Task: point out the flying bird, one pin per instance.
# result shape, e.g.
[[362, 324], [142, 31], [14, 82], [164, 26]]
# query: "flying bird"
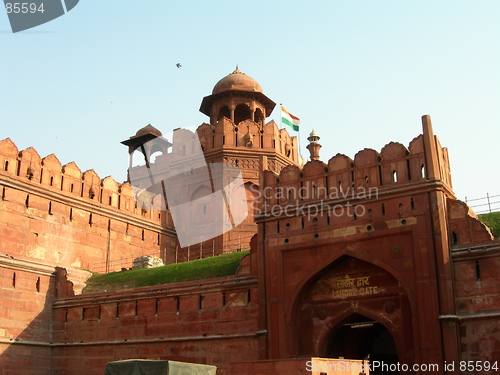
[[178, 65]]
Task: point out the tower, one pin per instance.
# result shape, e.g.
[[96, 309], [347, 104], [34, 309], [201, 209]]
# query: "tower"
[[236, 134], [313, 145]]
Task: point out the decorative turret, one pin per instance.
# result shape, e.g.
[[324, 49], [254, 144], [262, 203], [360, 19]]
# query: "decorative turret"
[[313, 145], [147, 140], [237, 97]]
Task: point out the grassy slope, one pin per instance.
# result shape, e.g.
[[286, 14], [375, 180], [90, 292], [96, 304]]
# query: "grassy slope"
[[218, 266], [493, 221]]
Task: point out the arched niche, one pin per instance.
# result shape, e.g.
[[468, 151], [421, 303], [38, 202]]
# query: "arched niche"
[[259, 116], [242, 112], [224, 112], [252, 194], [203, 207]]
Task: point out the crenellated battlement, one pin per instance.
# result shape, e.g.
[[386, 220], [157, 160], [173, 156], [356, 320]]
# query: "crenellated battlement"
[[248, 135], [48, 172], [394, 166], [350, 257], [65, 217]]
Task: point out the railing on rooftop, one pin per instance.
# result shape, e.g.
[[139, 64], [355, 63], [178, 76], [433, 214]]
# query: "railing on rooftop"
[[202, 250], [484, 205]]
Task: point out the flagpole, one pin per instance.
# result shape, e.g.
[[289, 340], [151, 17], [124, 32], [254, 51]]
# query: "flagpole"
[[298, 143], [281, 122]]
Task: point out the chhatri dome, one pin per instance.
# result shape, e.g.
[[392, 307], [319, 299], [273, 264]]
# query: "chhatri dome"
[[237, 97], [237, 80], [148, 129]]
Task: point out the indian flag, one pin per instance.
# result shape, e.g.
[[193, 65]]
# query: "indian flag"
[[289, 119]]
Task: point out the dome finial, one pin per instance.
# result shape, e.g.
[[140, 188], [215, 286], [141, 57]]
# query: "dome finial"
[[237, 70], [313, 137]]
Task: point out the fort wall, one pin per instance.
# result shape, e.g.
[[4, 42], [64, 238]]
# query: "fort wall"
[[53, 215], [208, 321], [478, 302], [58, 215], [392, 210], [25, 315], [476, 260], [28, 289], [389, 217]]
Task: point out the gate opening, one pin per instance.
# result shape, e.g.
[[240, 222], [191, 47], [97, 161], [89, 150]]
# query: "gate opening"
[[359, 337]]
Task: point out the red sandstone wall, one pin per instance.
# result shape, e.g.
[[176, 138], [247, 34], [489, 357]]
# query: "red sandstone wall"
[[225, 134], [58, 215], [400, 227], [210, 321], [478, 304], [27, 291], [45, 214], [465, 227], [476, 261]]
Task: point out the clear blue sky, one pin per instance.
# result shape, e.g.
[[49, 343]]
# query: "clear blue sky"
[[361, 73]]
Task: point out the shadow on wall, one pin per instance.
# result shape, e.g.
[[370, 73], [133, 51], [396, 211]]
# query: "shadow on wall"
[[26, 317]]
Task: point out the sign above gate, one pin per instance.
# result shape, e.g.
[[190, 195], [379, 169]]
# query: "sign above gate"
[[353, 286], [353, 278]]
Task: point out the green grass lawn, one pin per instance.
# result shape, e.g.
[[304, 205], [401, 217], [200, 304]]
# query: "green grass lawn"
[[493, 221], [200, 269]]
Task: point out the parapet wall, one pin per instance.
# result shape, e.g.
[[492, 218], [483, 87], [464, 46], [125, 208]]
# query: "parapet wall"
[[476, 260], [27, 290], [207, 321], [465, 227], [250, 136], [58, 215], [342, 176], [477, 301]]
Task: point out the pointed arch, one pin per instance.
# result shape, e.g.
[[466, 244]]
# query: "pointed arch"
[[201, 191], [252, 195], [242, 112], [224, 112], [259, 116], [319, 304]]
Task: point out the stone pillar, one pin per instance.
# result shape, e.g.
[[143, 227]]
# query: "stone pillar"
[[431, 154]]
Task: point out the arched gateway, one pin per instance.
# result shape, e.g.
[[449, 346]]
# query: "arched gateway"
[[360, 337], [356, 310]]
